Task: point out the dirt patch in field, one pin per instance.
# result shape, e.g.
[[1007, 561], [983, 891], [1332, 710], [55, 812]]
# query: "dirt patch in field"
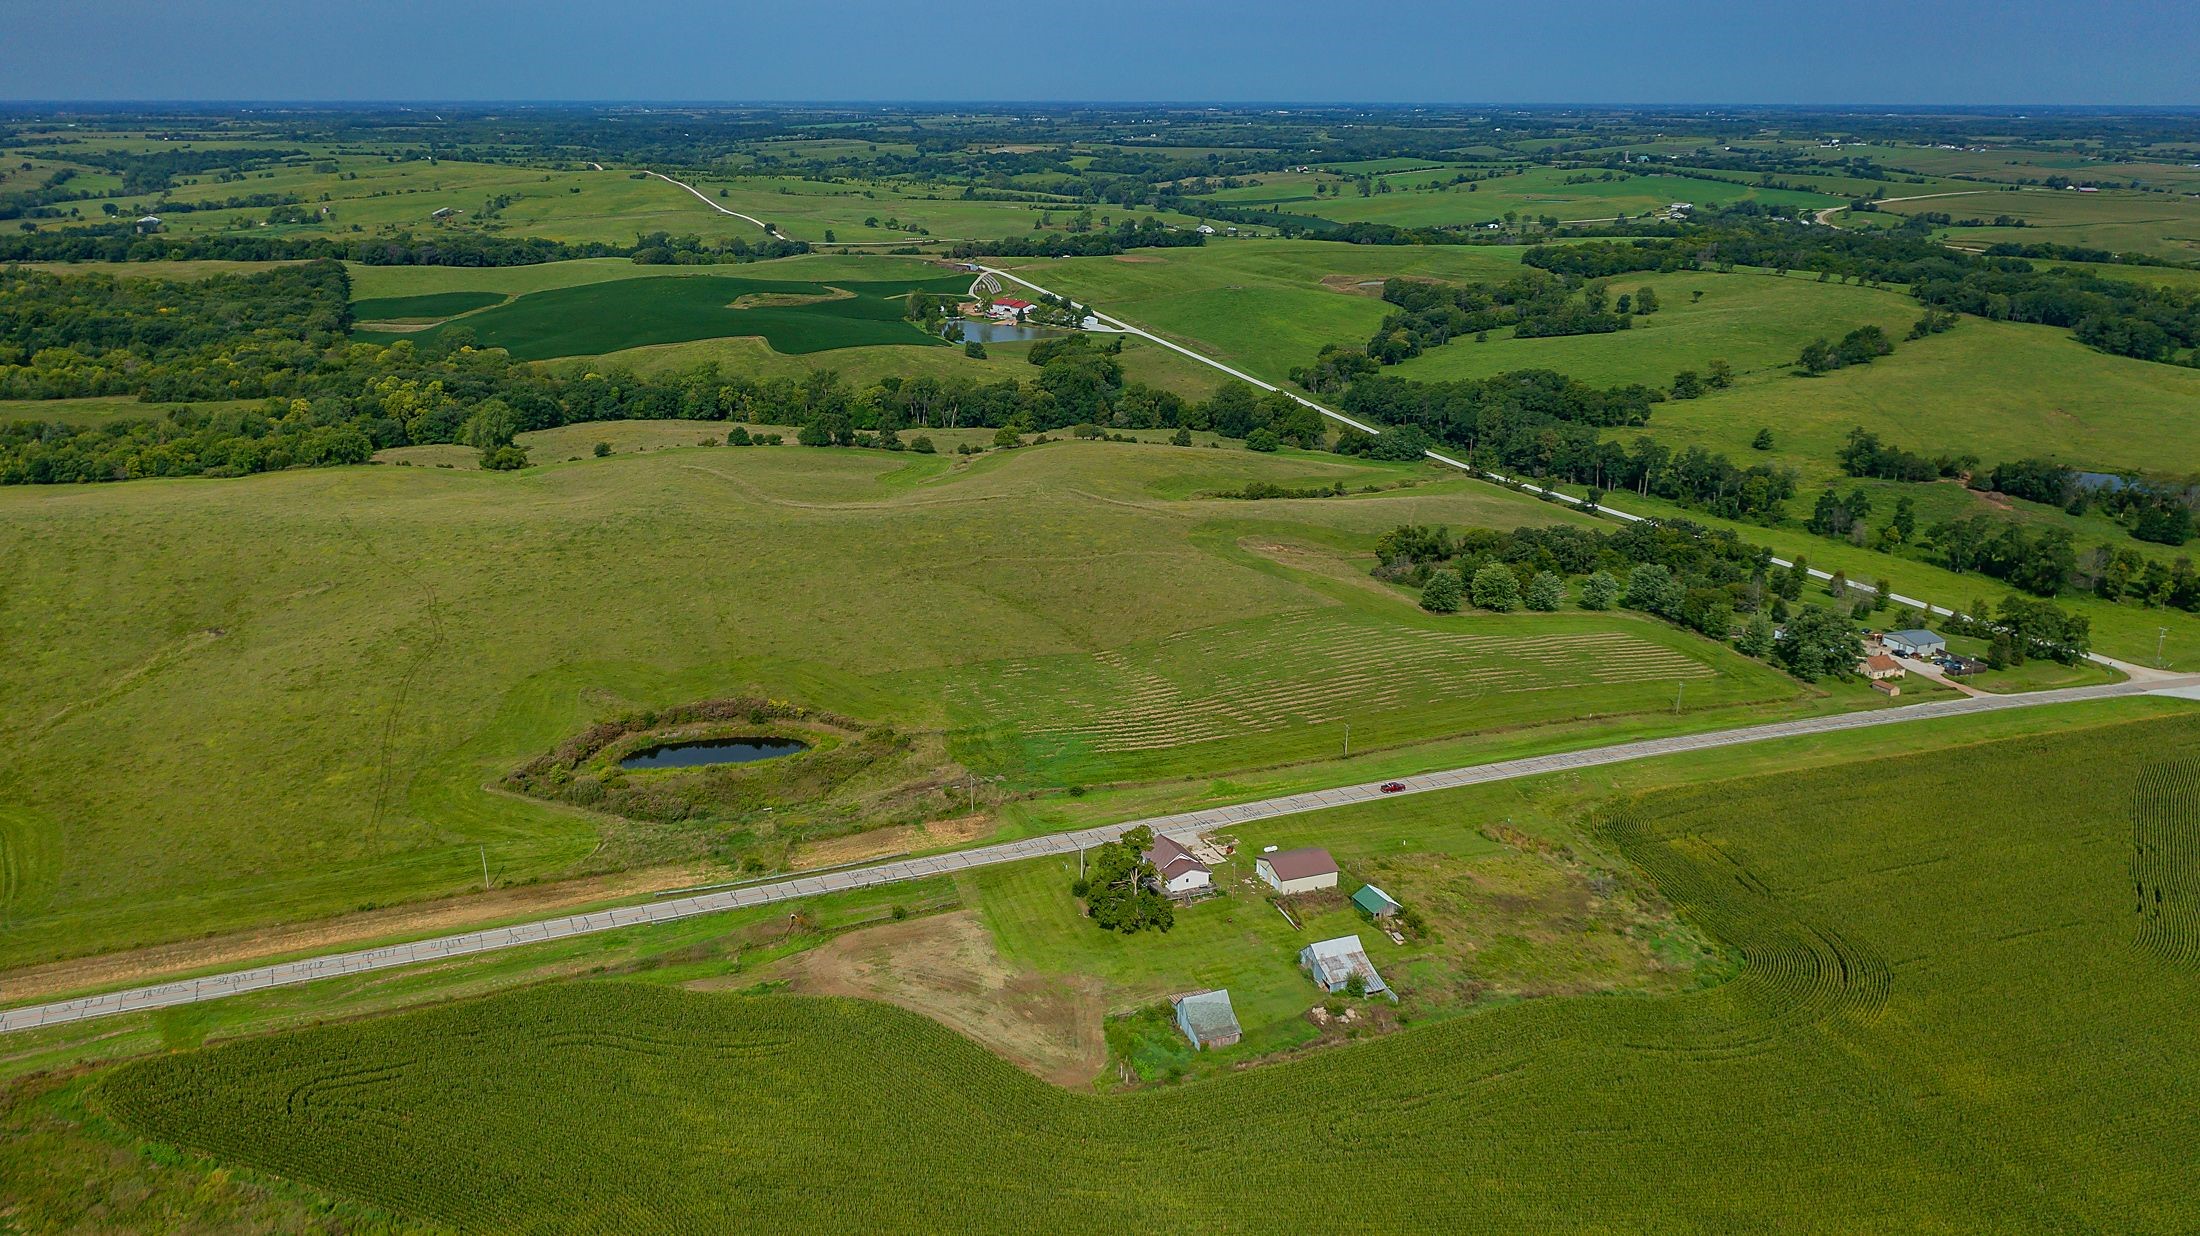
[[788, 300], [945, 967], [148, 965], [1361, 285], [1320, 562], [1136, 258], [880, 842]]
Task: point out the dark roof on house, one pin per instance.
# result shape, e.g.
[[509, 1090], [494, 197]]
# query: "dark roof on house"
[[1170, 858], [1299, 864]]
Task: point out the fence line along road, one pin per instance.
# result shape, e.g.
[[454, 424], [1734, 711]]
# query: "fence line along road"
[[283, 974]]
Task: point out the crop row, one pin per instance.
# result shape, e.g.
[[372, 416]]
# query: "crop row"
[[2165, 861]]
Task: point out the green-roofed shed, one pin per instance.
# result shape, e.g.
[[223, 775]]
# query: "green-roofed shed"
[[1375, 901]]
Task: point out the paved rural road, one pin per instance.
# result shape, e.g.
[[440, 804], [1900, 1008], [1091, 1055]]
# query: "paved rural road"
[[2140, 672], [1826, 216], [189, 991], [769, 230]]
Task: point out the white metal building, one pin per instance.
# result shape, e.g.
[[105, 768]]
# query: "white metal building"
[[1298, 871]]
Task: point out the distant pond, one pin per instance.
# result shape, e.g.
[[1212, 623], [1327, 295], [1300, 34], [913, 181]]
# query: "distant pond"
[[713, 751], [999, 332]]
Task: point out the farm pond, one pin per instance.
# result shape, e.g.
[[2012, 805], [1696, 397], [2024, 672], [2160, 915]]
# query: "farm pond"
[[999, 332], [712, 751]]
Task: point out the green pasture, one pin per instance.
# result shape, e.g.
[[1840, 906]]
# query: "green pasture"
[[807, 209], [1261, 305], [1422, 195], [368, 195], [1998, 390], [206, 739], [431, 307], [1142, 361], [1917, 933], [626, 313], [1211, 698], [2159, 224], [2183, 279], [1753, 320], [2008, 164]]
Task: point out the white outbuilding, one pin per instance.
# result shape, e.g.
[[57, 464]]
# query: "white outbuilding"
[[1332, 963], [1298, 871]]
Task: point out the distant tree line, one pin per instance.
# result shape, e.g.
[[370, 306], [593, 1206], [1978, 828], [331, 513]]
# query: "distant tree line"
[[1545, 425], [1707, 581], [2119, 316], [229, 336], [277, 336], [2156, 512], [1431, 314], [122, 243], [1148, 233]]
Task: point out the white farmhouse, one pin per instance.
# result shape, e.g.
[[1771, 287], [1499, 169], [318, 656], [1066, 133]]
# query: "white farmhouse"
[[1180, 874]]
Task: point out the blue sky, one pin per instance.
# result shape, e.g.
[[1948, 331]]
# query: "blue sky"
[[2111, 52]]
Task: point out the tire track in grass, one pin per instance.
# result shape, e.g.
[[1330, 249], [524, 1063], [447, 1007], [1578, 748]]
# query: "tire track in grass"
[[386, 772], [1795, 972]]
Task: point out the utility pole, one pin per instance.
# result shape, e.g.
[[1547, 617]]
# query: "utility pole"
[[1348, 739], [484, 868], [2160, 634], [1679, 689]]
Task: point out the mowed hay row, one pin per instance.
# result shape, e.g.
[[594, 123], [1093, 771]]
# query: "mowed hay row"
[[1307, 668], [2165, 861]]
